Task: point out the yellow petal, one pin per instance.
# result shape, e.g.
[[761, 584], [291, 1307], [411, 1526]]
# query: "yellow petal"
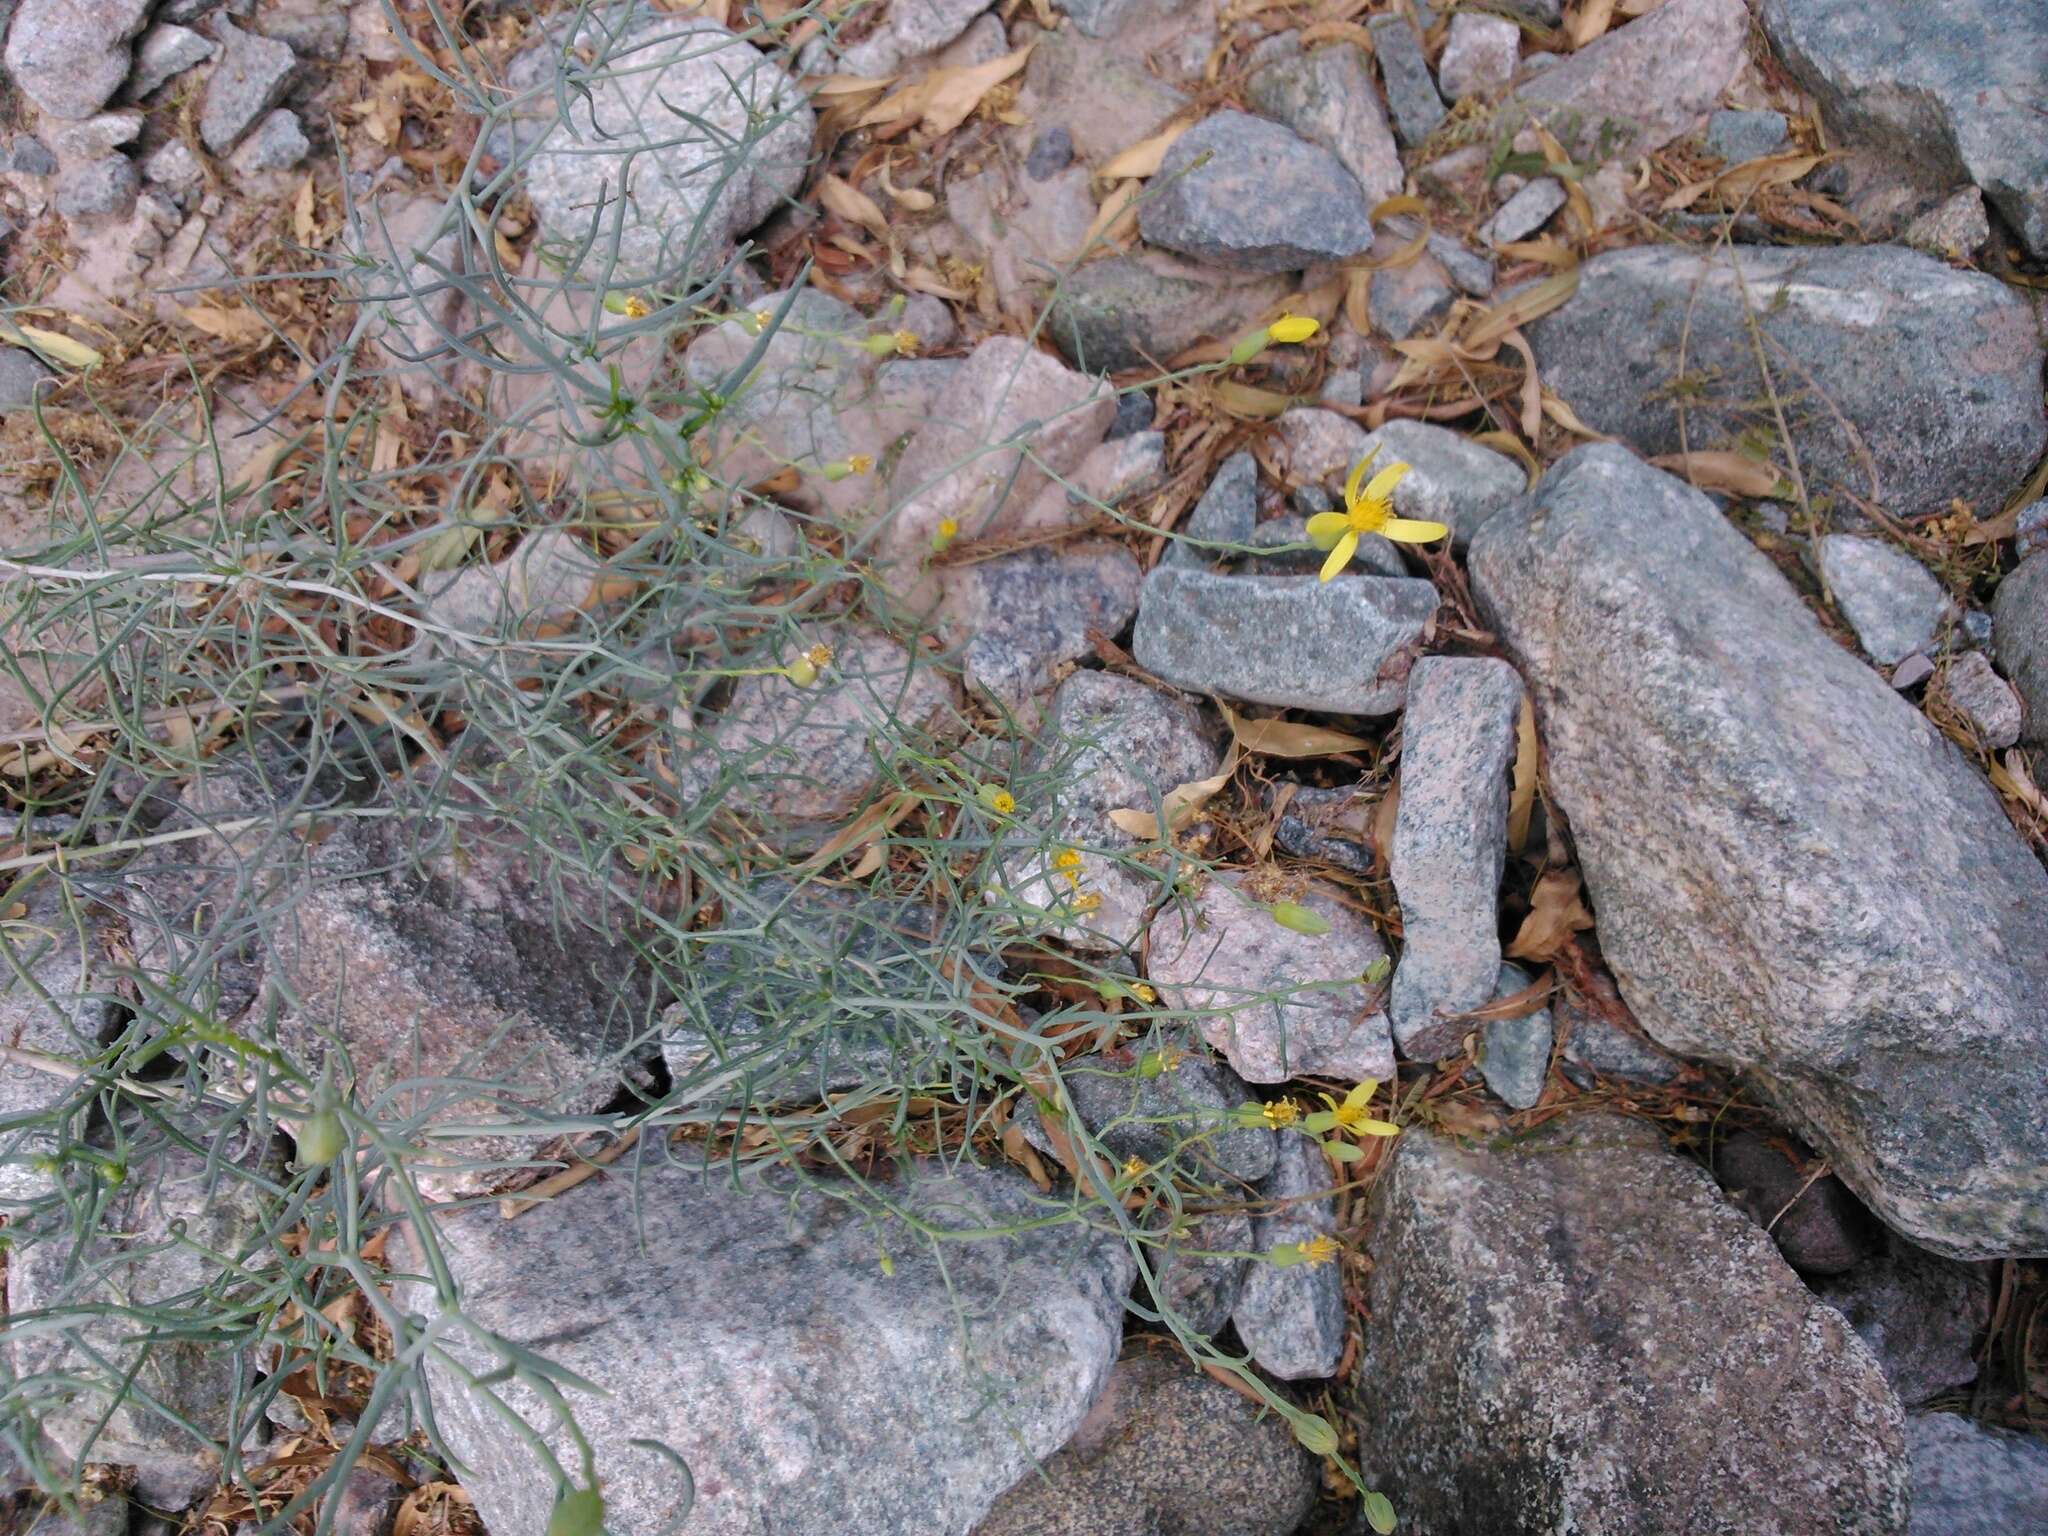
[[1357, 474], [1289, 329], [1406, 530], [1326, 528], [1340, 556], [1383, 483], [1360, 1096], [1377, 1128]]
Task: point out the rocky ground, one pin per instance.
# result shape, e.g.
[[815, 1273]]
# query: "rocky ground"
[[695, 810]]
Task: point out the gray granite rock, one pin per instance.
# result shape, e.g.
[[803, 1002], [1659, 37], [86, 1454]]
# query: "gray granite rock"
[[1412, 98], [1051, 152], [1817, 1224], [1950, 86], [1526, 212], [1515, 1053], [1177, 1121], [1018, 618], [1450, 844], [1638, 87], [277, 143], [95, 136], [56, 999], [1971, 1480], [173, 165], [871, 1387], [166, 51], [1134, 414], [1597, 1048], [1250, 194], [547, 581], [1573, 1331], [1450, 479], [27, 155], [70, 56], [1292, 1319], [1196, 1277], [1480, 55], [1286, 640], [1954, 229], [178, 1222], [22, 377], [1105, 100], [1935, 370], [1143, 307], [1919, 1314], [1889, 598], [758, 1017], [1119, 745], [1226, 515], [1405, 300], [1165, 1448], [1471, 272], [1327, 96], [2030, 531], [1984, 698], [100, 189], [1739, 136], [1278, 1003], [2019, 640], [909, 30], [1744, 794], [252, 76], [802, 760], [641, 151]]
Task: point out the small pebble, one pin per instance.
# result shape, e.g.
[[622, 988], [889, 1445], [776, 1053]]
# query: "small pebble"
[[1051, 152], [1984, 698], [105, 188]]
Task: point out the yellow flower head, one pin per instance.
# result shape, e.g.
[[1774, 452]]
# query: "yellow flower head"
[[1319, 1249], [819, 655], [861, 463], [1143, 992], [762, 319], [1158, 1063], [1088, 901], [1281, 1112], [1135, 1168], [944, 535], [1367, 510], [1354, 1116], [853, 464], [1292, 329], [1068, 863], [997, 799], [631, 305], [906, 343]]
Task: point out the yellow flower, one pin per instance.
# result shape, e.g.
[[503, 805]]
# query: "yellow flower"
[[631, 305], [1158, 1063], [1135, 1168], [1354, 1117], [1068, 863], [997, 799], [1370, 510], [1292, 329], [906, 343], [1088, 901], [1318, 1249], [1279, 1113], [805, 669], [944, 535], [762, 319], [853, 464], [1143, 992]]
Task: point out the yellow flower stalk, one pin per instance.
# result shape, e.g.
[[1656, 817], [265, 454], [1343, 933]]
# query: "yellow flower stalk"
[[1367, 510], [846, 468]]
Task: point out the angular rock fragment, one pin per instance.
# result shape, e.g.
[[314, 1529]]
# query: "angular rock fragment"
[[1291, 1317], [1888, 597], [70, 56], [1750, 806], [2019, 640], [1244, 192], [1450, 846], [1412, 98], [1638, 87], [252, 76], [1326, 95], [1019, 617], [1919, 1314]]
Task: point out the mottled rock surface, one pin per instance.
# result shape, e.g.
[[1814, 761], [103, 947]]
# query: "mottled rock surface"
[[1950, 86], [1263, 198], [1480, 54], [1288, 640], [1164, 1449], [1450, 844], [1135, 744], [1412, 98], [1277, 1002], [641, 151], [1919, 1314], [1575, 1332], [1889, 598], [1145, 306], [1638, 87], [2019, 639], [1450, 479], [70, 56], [1739, 136], [1327, 96], [1227, 515], [1937, 371], [839, 1398], [1816, 1223], [1515, 1053], [1969, 1480], [1292, 1318], [1985, 699], [1018, 617], [1748, 802], [252, 76]]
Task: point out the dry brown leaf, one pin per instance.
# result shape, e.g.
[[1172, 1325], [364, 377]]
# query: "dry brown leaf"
[[955, 93], [240, 327], [847, 85], [1532, 302], [1180, 803], [1766, 171], [925, 280], [1249, 401], [1116, 221], [1384, 816], [303, 228], [1558, 411], [1289, 738], [1516, 1005], [1142, 158], [876, 821], [916, 199], [1511, 445], [1522, 799], [54, 346], [1720, 470], [853, 205], [1025, 1156], [1555, 913], [1592, 19]]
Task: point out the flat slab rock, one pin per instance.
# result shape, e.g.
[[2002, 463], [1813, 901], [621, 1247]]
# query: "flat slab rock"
[[839, 1397], [1969, 1480], [1937, 370], [1640, 86], [1573, 1331], [1750, 805], [1243, 192], [1294, 641], [641, 147], [1952, 85], [1278, 1003]]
